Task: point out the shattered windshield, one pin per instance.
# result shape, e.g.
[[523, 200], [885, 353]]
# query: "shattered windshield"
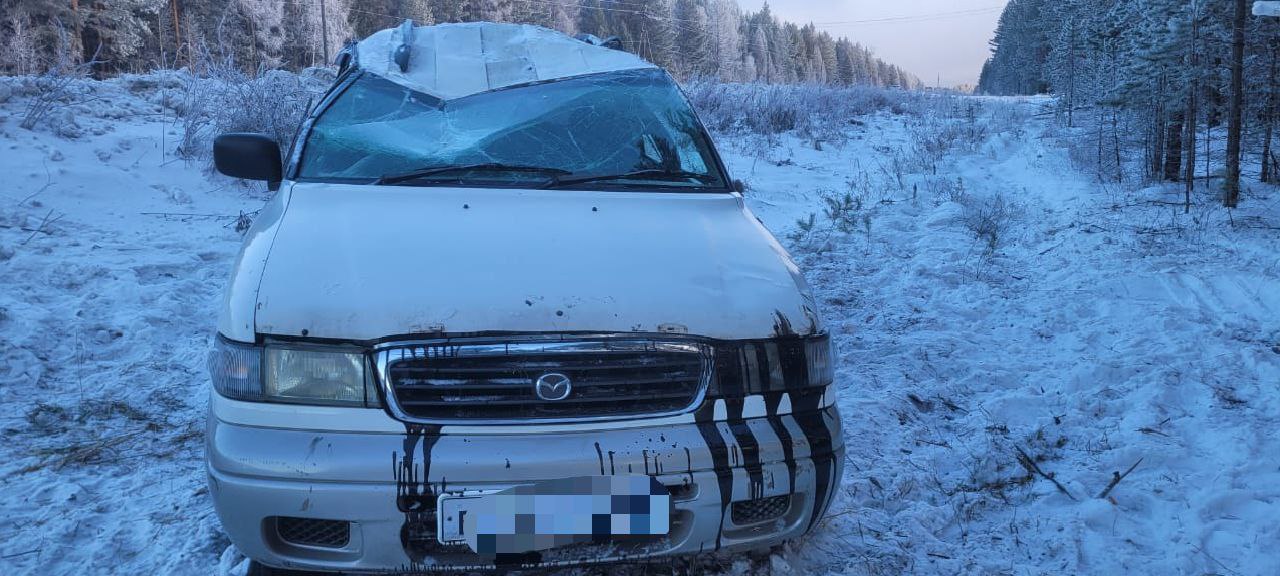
[[628, 129]]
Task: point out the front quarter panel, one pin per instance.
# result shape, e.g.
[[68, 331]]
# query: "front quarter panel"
[[236, 319]]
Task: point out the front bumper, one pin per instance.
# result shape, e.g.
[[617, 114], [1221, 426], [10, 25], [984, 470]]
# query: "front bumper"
[[258, 474]]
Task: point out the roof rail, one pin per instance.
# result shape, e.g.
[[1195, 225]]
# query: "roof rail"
[[401, 54]]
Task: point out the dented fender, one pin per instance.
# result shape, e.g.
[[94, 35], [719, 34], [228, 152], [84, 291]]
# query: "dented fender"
[[240, 298]]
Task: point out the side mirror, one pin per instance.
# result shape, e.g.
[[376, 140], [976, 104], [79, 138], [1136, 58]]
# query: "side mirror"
[[740, 187], [248, 156]]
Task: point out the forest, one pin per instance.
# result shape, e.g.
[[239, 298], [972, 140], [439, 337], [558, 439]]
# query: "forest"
[[706, 39], [1169, 90]]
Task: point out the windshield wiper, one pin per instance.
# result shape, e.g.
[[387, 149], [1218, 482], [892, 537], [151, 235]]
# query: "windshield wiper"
[[489, 167], [659, 175]]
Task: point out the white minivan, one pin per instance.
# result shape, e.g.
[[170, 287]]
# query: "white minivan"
[[508, 309]]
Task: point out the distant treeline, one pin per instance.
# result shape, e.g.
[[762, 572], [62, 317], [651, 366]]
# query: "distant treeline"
[[1175, 69], [710, 39]]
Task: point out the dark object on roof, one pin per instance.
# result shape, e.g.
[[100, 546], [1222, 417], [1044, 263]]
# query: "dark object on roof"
[[346, 57], [401, 56], [612, 42]]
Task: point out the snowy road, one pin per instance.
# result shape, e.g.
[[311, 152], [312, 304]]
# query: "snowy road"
[[1089, 339]]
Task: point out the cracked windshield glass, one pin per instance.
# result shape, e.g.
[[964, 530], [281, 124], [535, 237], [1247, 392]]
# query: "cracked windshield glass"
[[635, 125]]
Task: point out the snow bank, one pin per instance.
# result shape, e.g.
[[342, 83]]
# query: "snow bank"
[[113, 253]]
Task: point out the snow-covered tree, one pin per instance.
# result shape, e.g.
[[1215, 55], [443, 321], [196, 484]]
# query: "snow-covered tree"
[[489, 10], [1152, 77], [692, 38], [724, 19]]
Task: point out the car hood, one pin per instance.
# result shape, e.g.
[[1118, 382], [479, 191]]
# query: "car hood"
[[354, 262]]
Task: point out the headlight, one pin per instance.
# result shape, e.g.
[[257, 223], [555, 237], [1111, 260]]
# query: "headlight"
[[289, 374], [313, 377]]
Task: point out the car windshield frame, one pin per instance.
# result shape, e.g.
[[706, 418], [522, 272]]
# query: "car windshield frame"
[[714, 164]]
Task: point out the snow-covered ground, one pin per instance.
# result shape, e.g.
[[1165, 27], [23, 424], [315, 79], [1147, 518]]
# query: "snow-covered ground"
[[988, 303]]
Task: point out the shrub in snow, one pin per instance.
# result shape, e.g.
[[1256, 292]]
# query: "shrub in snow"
[[271, 102], [843, 211], [989, 219], [945, 188], [61, 86], [816, 112], [841, 214], [949, 124], [54, 90]]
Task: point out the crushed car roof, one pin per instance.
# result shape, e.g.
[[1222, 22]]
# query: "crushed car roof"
[[456, 60]]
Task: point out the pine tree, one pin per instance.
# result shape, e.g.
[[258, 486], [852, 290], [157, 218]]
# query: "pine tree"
[[653, 31], [449, 10], [417, 10], [553, 14], [761, 55], [369, 16], [694, 46], [592, 19], [489, 10]]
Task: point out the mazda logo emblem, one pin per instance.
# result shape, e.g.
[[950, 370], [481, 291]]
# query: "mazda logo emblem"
[[553, 387]]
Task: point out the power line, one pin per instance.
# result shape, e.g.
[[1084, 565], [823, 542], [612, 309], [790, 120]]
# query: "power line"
[[917, 17]]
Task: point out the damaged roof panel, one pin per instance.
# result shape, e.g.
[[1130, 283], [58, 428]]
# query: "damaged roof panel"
[[451, 61]]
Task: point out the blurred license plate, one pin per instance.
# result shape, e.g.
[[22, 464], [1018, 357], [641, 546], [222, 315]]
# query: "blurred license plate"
[[555, 513]]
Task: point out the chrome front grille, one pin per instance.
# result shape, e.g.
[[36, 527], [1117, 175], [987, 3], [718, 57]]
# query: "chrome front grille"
[[607, 378]]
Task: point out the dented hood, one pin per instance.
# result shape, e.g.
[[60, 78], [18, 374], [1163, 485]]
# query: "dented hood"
[[365, 263]]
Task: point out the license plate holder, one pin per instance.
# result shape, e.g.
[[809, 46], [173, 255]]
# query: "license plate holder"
[[554, 513]]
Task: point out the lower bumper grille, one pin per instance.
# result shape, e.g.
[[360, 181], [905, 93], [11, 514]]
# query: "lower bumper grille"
[[544, 379], [312, 532], [760, 510]]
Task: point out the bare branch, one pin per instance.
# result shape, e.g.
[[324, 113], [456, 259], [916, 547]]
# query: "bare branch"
[[1117, 477], [1033, 468]]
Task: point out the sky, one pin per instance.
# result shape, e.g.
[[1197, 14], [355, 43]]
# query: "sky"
[[928, 38]]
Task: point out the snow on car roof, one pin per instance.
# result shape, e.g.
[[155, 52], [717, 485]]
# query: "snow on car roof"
[[456, 60]]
